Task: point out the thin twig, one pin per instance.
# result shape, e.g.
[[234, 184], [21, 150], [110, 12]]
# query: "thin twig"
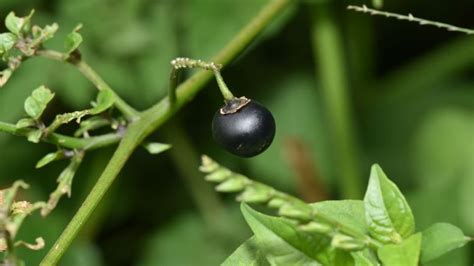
[[410, 17]]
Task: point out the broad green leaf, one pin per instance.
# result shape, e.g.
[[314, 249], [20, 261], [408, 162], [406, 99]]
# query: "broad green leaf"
[[247, 254], [25, 122], [406, 253], [365, 258], [7, 41], [348, 212], [282, 244], [105, 100], [37, 102], [388, 215], [72, 42], [34, 135], [17, 25], [439, 239], [50, 157], [156, 148]]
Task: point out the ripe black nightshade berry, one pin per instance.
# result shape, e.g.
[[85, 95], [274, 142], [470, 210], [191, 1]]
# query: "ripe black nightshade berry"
[[243, 127]]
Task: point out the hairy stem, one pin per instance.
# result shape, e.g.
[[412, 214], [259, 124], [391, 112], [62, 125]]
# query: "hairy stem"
[[93, 77], [330, 60], [150, 120], [68, 142]]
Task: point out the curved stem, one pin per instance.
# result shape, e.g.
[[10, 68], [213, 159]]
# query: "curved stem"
[[226, 93], [68, 142], [150, 120], [93, 77]]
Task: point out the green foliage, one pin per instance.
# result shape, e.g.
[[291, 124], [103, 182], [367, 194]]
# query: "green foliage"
[[18, 25], [388, 215], [156, 148], [405, 253], [37, 102], [73, 40], [380, 228], [439, 239]]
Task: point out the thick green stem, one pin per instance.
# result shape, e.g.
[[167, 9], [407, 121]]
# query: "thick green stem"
[[93, 77], [150, 120], [328, 50], [68, 142]]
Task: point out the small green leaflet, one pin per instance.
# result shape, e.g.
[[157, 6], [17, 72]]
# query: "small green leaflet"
[[73, 40], [7, 41], [156, 148], [37, 102], [50, 157], [17, 25], [105, 100]]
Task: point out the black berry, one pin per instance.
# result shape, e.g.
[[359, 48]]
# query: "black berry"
[[243, 127]]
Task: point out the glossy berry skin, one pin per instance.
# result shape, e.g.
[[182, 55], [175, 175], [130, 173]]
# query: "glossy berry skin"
[[247, 132]]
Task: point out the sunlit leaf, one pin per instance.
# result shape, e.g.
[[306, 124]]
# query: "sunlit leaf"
[[25, 122]]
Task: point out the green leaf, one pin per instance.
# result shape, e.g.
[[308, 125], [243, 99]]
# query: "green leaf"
[[25, 122], [72, 42], [18, 25], [247, 254], [50, 157], [365, 258], [282, 244], [34, 135], [439, 239], [389, 217], [7, 42], [407, 253], [156, 148], [37, 102], [348, 212], [105, 100]]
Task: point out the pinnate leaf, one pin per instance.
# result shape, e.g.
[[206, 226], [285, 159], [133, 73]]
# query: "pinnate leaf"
[[388, 215]]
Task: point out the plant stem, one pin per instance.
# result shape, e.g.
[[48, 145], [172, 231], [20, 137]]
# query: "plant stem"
[[68, 142], [150, 120], [226, 93], [93, 77], [327, 46], [186, 160]]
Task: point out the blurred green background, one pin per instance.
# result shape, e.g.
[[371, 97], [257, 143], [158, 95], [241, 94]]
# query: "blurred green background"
[[410, 109]]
